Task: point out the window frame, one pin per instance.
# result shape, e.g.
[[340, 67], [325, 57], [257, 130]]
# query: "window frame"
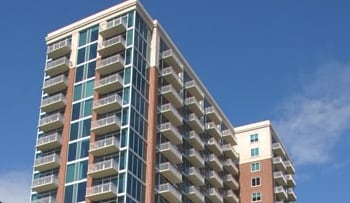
[[256, 179], [254, 138], [256, 170], [254, 152], [256, 195]]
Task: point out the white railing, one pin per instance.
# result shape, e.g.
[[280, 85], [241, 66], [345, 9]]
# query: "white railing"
[[44, 180], [193, 100], [105, 121], [170, 107], [103, 165], [55, 80], [168, 187], [110, 141], [47, 159], [53, 137], [112, 41], [110, 60], [170, 88], [51, 118], [59, 61], [49, 199], [193, 84], [53, 99], [113, 23], [102, 188], [58, 45], [108, 80], [108, 100]]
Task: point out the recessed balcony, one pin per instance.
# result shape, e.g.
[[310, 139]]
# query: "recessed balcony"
[[281, 193], [230, 166], [108, 104], [172, 77], [231, 182], [59, 49], [51, 122], [195, 123], [168, 192], [194, 194], [108, 84], [171, 114], [172, 95], [195, 158], [195, 141], [229, 151], [231, 197], [279, 163], [171, 133], [171, 59], [56, 84], [195, 107], [214, 179], [101, 192], [277, 148], [53, 103], [213, 115], [213, 130], [291, 194], [278, 176], [214, 196], [111, 46], [103, 169], [170, 152], [57, 66], [45, 183], [49, 141], [112, 28], [195, 176], [194, 89], [214, 146], [229, 137], [110, 64], [169, 171], [105, 125], [290, 180], [105, 146], [47, 162], [49, 199], [214, 162], [289, 167]]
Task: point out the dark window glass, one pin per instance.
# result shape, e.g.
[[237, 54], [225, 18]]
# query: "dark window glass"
[[94, 34], [74, 131], [84, 149], [76, 111], [83, 169], [88, 107], [93, 51], [81, 55], [86, 127], [91, 69], [72, 151], [77, 92], [81, 191], [68, 194], [79, 73]]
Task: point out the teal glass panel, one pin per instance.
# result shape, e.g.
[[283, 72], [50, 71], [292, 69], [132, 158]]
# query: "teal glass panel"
[[84, 152], [125, 116], [131, 18], [82, 38], [72, 150], [129, 37], [86, 127], [91, 69], [82, 170], [70, 173], [122, 160], [121, 185], [88, 107], [127, 75], [89, 88], [94, 34], [93, 51], [68, 194], [76, 111], [128, 56], [77, 92], [126, 95]]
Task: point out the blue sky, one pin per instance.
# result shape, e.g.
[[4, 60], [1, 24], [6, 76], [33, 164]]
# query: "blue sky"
[[287, 61]]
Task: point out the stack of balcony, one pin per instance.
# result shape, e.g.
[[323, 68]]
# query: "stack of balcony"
[[171, 172], [51, 122], [169, 57], [107, 104], [53, 103], [214, 195], [279, 163], [195, 140], [56, 84], [229, 137], [112, 28], [110, 64], [57, 66], [49, 141], [109, 84], [195, 158], [194, 89], [47, 162], [231, 182], [229, 151], [195, 123], [103, 168], [214, 146], [49, 199], [59, 49], [230, 166], [193, 104], [105, 146], [289, 167], [277, 148], [112, 46], [291, 194], [45, 183], [172, 77], [281, 193], [279, 178], [214, 179], [171, 95], [101, 192], [231, 197], [170, 151], [290, 180], [213, 130], [195, 176], [168, 192], [194, 194], [214, 162], [171, 133], [105, 125], [213, 115], [171, 113]]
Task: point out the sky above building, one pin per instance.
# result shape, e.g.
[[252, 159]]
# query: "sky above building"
[[287, 61]]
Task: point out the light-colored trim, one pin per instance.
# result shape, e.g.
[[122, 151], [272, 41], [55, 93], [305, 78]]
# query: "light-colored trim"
[[251, 196], [250, 166]]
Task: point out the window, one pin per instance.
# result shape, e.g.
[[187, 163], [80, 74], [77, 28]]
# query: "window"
[[255, 167], [256, 196], [254, 138], [254, 152], [256, 181]]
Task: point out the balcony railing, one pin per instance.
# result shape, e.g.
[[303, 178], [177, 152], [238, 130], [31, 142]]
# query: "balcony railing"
[[194, 89], [278, 149], [194, 194], [215, 179], [171, 95], [195, 158], [214, 162], [101, 192], [56, 84], [108, 104], [57, 66], [214, 195], [171, 133], [214, 146], [290, 180], [47, 162], [105, 146], [171, 114], [279, 163], [110, 64], [279, 178], [289, 167], [291, 194], [112, 46], [51, 122], [171, 172], [49, 141], [59, 49], [171, 59], [195, 176], [231, 197], [105, 125], [53, 103], [281, 193], [172, 77], [194, 105], [112, 28], [230, 166], [195, 123], [103, 169], [195, 140], [231, 182], [229, 151], [108, 84], [49, 199], [170, 152], [213, 130], [45, 183], [169, 193], [213, 114], [229, 137]]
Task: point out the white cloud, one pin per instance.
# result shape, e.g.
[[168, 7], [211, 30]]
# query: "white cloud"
[[15, 186], [313, 120]]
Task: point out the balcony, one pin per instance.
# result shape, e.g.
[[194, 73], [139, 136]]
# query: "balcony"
[[57, 66], [213, 130], [215, 179], [172, 77], [45, 183], [195, 158], [214, 196], [291, 194], [231, 182], [105, 125], [112, 28], [195, 176], [195, 141], [230, 166], [231, 197], [171, 95], [193, 88], [171, 114], [56, 84], [229, 137], [108, 104], [171, 133], [214, 146], [112, 46], [47, 162], [278, 176], [279, 163], [101, 192], [59, 49], [195, 123], [103, 169], [170, 152], [105, 146], [214, 162], [110, 64], [168, 192], [49, 141], [171, 59], [195, 107], [51, 122], [213, 115], [53, 103], [171, 172], [280, 193], [290, 180], [194, 194], [289, 167], [229, 151], [108, 84], [49, 199], [278, 149]]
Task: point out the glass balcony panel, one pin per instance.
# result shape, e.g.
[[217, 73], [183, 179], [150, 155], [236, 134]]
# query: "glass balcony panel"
[[49, 199]]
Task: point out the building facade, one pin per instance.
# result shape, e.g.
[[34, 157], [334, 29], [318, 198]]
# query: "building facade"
[[125, 119]]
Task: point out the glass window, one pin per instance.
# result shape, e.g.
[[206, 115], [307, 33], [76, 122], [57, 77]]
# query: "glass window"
[[76, 111], [81, 55], [84, 148], [129, 37], [70, 173], [86, 127], [128, 56], [126, 95], [77, 92], [72, 151], [256, 181], [81, 191], [121, 185], [94, 34], [79, 73], [254, 152], [92, 51], [91, 69], [68, 194], [255, 167], [127, 74], [82, 38], [82, 169], [256, 196], [88, 107], [254, 138], [74, 131], [131, 19], [89, 88]]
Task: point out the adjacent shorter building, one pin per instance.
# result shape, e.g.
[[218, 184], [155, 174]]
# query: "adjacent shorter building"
[[266, 171]]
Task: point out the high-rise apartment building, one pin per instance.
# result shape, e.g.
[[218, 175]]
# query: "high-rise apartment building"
[[124, 118]]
